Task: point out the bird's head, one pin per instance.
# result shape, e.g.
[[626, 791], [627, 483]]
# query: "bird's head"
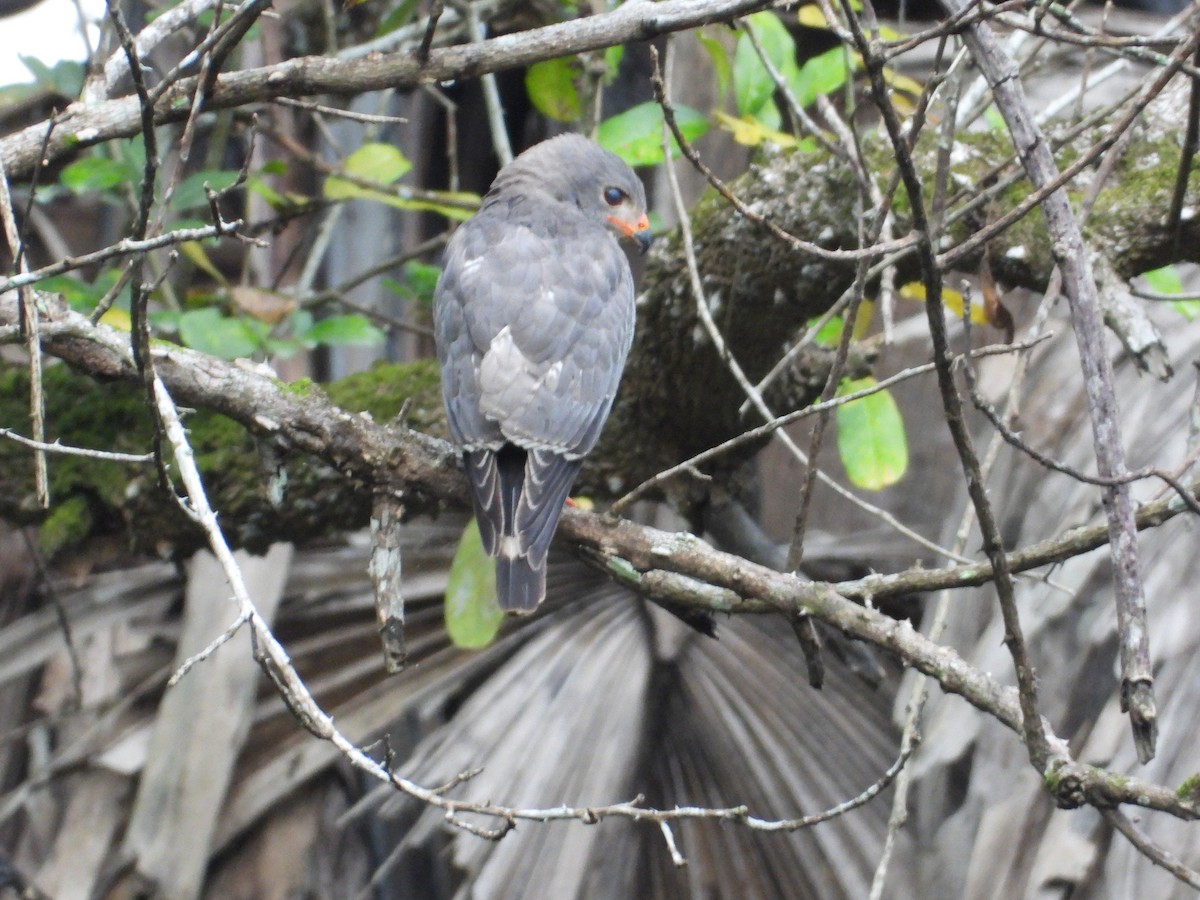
[[577, 171], [627, 216]]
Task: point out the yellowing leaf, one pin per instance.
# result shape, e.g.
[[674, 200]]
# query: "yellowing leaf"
[[117, 318], [902, 82], [862, 321], [811, 16], [870, 438], [951, 299], [750, 132], [472, 614], [195, 254]]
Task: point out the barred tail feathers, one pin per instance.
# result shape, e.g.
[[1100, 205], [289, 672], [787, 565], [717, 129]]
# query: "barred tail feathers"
[[518, 497]]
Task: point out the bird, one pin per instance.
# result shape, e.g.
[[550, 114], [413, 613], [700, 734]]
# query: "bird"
[[533, 320]]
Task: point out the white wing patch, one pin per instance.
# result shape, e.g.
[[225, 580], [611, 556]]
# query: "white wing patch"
[[507, 381]]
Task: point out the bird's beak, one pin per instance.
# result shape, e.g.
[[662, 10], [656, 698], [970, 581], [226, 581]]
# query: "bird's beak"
[[639, 232]]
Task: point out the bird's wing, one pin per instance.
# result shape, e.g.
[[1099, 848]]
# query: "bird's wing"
[[552, 360]]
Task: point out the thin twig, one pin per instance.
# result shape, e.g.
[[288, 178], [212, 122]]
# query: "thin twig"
[[1070, 252], [29, 326], [223, 638], [56, 447], [1032, 728], [1144, 845], [491, 93], [338, 113], [123, 247], [739, 375], [761, 431]]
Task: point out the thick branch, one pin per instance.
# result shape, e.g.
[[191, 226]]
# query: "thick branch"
[[81, 126], [392, 458]]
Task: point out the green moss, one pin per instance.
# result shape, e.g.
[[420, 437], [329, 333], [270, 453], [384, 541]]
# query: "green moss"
[[382, 391], [1190, 789], [301, 387], [262, 494], [67, 524]]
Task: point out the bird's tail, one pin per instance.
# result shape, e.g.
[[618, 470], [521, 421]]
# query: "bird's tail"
[[520, 574], [520, 582], [518, 497]]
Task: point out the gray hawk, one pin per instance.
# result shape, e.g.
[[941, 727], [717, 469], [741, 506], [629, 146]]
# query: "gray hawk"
[[533, 318]]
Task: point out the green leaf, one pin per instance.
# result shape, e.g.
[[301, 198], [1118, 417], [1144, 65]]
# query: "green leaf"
[[383, 163], [551, 88], [612, 62], [64, 78], [1167, 281], [871, 440], [636, 134], [753, 86], [189, 193], [211, 332], [83, 296], [720, 61], [830, 334], [93, 173], [822, 74], [421, 278], [472, 614], [344, 329], [398, 17]]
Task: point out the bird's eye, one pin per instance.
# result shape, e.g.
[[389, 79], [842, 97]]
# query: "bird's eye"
[[613, 196]]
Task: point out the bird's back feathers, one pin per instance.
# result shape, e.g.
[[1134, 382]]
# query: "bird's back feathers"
[[533, 320]]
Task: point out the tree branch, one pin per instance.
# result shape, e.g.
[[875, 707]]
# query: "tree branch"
[[83, 125], [412, 465]]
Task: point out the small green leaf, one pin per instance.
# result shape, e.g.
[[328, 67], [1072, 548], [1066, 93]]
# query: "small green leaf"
[[624, 570], [401, 15], [208, 331], [64, 78], [612, 62], [720, 61], [1167, 281], [93, 173], [551, 88], [871, 440], [821, 75], [636, 134], [753, 86], [830, 334], [189, 194], [345, 329], [194, 252], [81, 295], [383, 163], [472, 614], [421, 278]]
